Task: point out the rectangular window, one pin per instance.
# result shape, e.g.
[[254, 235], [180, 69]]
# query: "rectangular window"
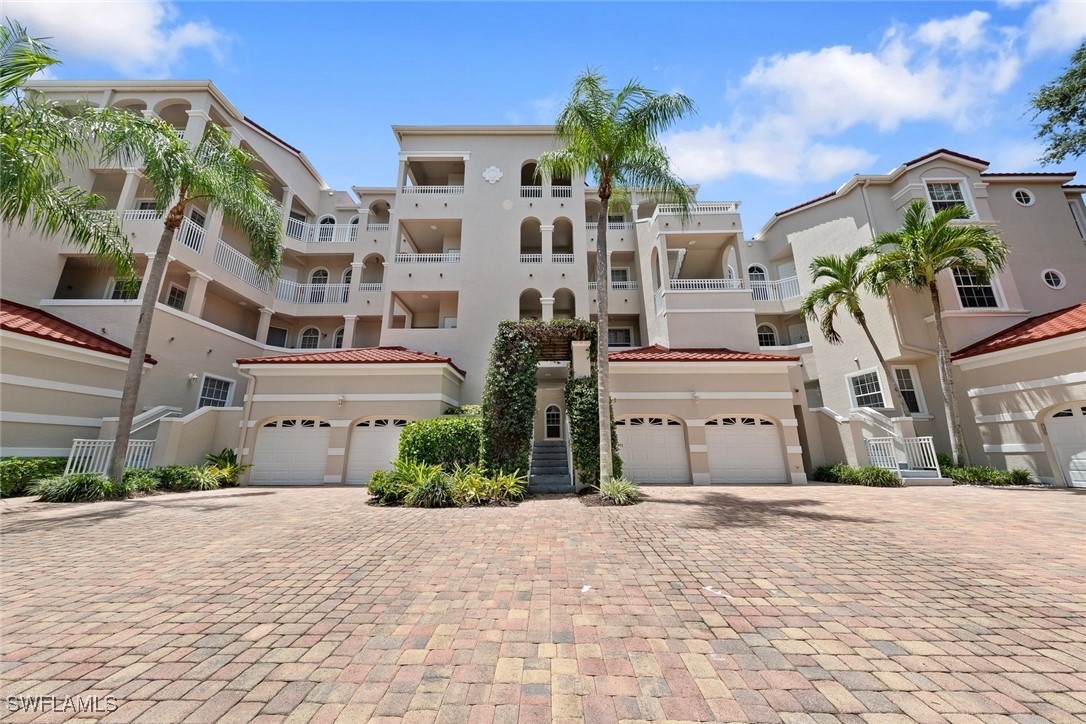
[[176, 297], [277, 337], [866, 389], [297, 216], [620, 337], [616, 218], [145, 205], [198, 218], [215, 392], [909, 390], [125, 289], [972, 293], [620, 275], [945, 194]]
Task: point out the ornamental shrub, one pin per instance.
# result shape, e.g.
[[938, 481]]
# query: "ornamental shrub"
[[582, 409], [78, 488], [620, 491], [981, 475], [140, 480], [176, 477], [17, 473], [877, 477], [386, 488], [444, 441], [1019, 476], [428, 486]]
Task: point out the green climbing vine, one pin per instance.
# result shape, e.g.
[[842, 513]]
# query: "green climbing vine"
[[583, 411]]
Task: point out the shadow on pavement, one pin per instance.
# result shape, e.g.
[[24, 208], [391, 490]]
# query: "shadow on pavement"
[[725, 510]]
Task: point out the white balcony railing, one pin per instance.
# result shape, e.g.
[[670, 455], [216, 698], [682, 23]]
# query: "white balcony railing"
[[190, 234], [370, 286], [628, 285], [561, 258], [92, 456], [531, 258], [143, 215], [240, 266], [721, 207], [920, 454], [434, 190], [322, 233], [289, 291], [451, 257], [180, 133], [561, 192], [880, 453], [704, 285], [764, 291], [377, 227], [611, 225], [531, 192]]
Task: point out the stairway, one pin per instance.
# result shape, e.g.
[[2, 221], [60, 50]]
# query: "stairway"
[[550, 468]]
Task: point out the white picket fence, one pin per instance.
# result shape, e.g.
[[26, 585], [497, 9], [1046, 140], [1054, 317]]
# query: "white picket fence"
[[92, 456], [904, 454]]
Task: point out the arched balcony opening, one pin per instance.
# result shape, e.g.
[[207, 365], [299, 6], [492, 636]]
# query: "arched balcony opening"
[[565, 304], [379, 216], [562, 240], [531, 241], [373, 275], [531, 306], [530, 184], [175, 112]]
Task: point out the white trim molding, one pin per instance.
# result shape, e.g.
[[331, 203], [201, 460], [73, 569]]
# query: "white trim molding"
[[1027, 416], [1067, 343], [1073, 378], [19, 381], [688, 396], [1011, 448], [30, 418]]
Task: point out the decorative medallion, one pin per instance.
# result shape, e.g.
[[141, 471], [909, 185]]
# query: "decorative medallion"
[[493, 175]]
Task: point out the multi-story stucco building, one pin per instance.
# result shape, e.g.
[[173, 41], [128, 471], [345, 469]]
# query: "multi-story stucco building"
[[389, 298]]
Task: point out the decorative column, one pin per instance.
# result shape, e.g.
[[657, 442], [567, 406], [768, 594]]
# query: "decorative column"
[[348, 330], [194, 129], [196, 293], [128, 191], [633, 213], [288, 202], [548, 241], [146, 270], [356, 275], [262, 327], [548, 308]]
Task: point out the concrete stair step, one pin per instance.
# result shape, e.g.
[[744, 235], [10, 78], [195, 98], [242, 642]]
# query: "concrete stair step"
[[550, 489], [550, 470], [562, 479]]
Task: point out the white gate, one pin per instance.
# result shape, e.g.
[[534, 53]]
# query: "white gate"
[[92, 456]]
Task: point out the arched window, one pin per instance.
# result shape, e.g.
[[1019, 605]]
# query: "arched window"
[[310, 338], [553, 421], [337, 339], [318, 280], [759, 282], [347, 276], [326, 229], [767, 336], [354, 229]]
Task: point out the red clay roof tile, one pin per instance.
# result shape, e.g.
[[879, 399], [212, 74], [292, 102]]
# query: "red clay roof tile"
[[657, 353], [361, 355], [1035, 329], [33, 322]]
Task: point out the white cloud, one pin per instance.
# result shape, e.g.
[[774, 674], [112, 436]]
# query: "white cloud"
[[142, 38], [965, 32], [1057, 26], [1013, 156]]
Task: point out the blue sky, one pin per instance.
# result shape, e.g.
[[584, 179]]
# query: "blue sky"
[[793, 98]]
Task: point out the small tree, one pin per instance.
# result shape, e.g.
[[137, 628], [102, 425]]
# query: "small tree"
[[845, 279], [215, 172], [915, 255], [1063, 103], [613, 137]]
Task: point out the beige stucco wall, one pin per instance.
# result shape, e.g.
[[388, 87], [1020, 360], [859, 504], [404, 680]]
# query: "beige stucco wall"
[[185, 441]]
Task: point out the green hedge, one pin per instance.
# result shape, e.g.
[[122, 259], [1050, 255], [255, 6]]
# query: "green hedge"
[[17, 473], [981, 475], [868, 475], [445, 441], [582, 409], [419, 485]]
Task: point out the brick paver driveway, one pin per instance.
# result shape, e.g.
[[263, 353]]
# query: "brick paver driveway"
[[802, 604]]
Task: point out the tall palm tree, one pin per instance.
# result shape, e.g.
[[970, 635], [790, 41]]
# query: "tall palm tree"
[[915, 255], [214, 172], [612, 136], [845, 280], [37, 138]]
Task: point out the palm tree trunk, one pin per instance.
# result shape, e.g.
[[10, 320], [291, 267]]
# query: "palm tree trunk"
[[895, 389], [946, 382], [603, 286], [151, 283]]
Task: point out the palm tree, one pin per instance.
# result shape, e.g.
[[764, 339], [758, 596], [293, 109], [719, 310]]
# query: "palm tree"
[[612, 136], [915, 255], [845, 279], [214, 172], [37, 138]]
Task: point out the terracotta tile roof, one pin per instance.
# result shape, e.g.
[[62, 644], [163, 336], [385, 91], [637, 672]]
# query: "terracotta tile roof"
[[1035, 329], [33, 322], [1041, 174], [823, 197], [361, 355], [259, 127], [657, 353], [948, 152]]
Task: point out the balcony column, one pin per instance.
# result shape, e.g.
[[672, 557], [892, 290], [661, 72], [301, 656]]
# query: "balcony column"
[[263, 325], [548, 308], [633, 212], [740, 270], [348, 330], [356, 275], [128, 191], [288, 202], [146, 270], [196, 293], [665, 269], [547, 233], [194, 129]]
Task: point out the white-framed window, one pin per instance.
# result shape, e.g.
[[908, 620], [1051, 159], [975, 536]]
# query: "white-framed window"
[[125, 289], [553, 419], [299, 216], [347, 275], [198, 218], [145, 204], [310, 338], [620, 337], [326, 228], [973, 293], [215, 392], [908, 381], [865, 389], [318, 280], [767, 335], [1024, 197], [337, 339], [619, 275], [616, 218], [277, 337], [1054, 278], [176, 297], [945, 194]]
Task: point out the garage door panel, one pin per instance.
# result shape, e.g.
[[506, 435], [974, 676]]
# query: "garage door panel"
[[1067, 434], [653, 450], [291, 452], [374, 445], [744, 450]]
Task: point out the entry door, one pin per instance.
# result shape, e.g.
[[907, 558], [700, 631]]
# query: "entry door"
[[744, 449], [1067, 433], [291, 452]]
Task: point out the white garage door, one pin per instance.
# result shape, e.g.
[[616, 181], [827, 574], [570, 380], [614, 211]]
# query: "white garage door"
[[1067, 433], [291, 452], [744, 450], [653, 450], [374, 445]]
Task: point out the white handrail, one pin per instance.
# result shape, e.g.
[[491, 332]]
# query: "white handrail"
[[322, 233], [455, 190], [370, 286], [704, 285], [531, 192], [531, 258], [920, 454], [150, 417], [191, 234], [618, 225], [592, 225], [629, 285], [377, 227], [451, 257], [713, 207], [562, 258], [144, 215], [240, 266], [880, 453], [561, 192], [289, 291], [93, 456], [769, 290]]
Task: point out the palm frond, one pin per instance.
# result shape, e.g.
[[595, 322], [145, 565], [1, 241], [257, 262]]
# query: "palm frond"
[[21, 56]]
